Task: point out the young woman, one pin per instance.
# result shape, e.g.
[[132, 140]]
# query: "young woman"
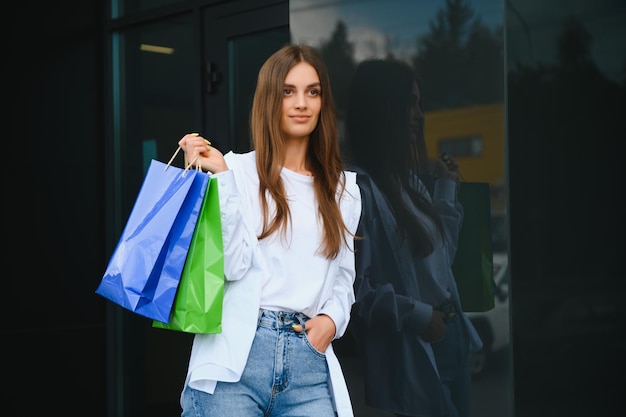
[[408, 319], [289, 216]]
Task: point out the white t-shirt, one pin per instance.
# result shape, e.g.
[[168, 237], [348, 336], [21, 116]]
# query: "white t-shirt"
[[297, 268]]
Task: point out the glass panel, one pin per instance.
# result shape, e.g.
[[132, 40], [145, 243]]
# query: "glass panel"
[[566, 99], [456, 48], [246, 55], [153, 89], [237, 40], [155, 92]]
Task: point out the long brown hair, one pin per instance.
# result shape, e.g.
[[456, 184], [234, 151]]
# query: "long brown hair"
[[379, 141], [323, 157]]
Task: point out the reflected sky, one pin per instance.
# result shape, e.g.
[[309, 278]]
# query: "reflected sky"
[[374, 26]]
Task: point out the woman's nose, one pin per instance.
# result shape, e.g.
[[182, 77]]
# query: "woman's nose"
[[300, 101]]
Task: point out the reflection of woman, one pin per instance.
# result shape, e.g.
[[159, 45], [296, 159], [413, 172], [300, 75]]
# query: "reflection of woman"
[[289, 213], [408, 318]]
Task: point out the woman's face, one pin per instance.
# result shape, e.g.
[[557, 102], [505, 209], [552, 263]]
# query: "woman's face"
[[302, 102]]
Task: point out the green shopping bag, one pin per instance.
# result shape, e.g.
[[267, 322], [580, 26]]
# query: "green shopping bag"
[[198, 303], [473, 262]]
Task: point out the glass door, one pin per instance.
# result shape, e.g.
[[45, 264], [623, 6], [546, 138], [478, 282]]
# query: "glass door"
[[153, 84], [237, 44], [180, 72]]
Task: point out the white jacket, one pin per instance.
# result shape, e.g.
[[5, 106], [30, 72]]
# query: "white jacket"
[[223, 356]]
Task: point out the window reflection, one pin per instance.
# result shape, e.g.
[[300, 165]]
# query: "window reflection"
[[456, 47], [565, 87]]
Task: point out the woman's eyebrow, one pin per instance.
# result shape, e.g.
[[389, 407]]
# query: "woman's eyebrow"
[[316, 84]]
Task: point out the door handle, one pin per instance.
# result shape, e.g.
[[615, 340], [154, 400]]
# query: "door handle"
[[214, 77]]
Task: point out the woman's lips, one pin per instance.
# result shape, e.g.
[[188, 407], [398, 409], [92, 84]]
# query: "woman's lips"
[[300, 117]]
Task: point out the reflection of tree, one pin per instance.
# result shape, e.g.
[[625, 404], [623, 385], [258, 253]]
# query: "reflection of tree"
[[565, 127], [564, 123], [338, 56], [460, 60]]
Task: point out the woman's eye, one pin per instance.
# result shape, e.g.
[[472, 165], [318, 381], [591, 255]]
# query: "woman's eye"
[[286, 92], [314, 92]]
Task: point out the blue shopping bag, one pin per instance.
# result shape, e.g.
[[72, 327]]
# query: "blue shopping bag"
[[145, 268], [198, 303]]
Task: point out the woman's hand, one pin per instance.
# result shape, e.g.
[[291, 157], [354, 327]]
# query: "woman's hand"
[[446, 168], [199, 150], [436, 329], [320, 331]]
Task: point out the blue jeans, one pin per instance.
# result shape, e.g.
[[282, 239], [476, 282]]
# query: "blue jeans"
[[284, 376]]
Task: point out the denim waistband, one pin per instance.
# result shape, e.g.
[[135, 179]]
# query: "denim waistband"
[[279, 319]]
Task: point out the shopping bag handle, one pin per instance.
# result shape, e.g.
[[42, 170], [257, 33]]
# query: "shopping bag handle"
[[195, 161]]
